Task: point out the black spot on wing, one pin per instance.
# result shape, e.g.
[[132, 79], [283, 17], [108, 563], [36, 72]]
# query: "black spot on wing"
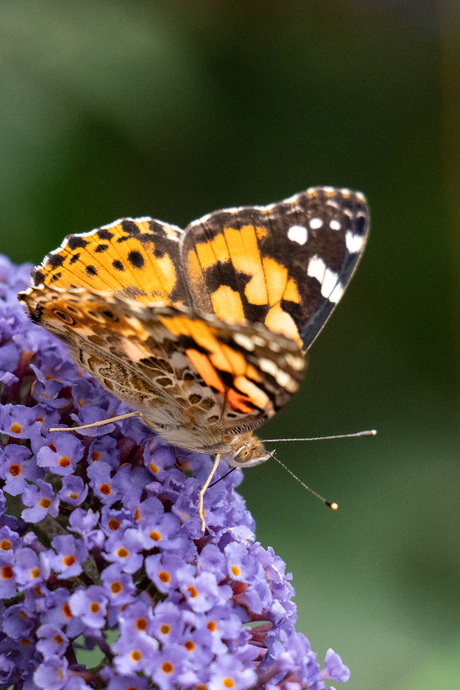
[[109, 314], [136, 259], [37, 276], [36, 314], [360, 225], [226, 377], [105, 234], [224, 273], [147, 238], [130, 228], [54, 260], [185, 342], [76, 242]]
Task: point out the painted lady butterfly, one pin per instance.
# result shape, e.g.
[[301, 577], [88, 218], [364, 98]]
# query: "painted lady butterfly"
[[204, 330]]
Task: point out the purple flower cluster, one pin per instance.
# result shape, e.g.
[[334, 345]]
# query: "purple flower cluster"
[[106, 579]]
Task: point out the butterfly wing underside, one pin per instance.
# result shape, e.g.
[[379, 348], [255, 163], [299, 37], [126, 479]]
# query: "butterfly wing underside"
[[181, 369]]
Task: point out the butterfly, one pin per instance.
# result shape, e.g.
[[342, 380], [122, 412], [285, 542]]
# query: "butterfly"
[[204, 331]]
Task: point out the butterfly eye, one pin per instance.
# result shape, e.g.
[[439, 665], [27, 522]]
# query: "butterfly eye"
[[62, 316], [243, 455]]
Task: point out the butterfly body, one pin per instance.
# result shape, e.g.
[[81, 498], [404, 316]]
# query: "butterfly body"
[[204, 330]]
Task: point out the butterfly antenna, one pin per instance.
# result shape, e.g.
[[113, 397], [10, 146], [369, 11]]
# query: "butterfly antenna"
[[369, 432], [331, 505]]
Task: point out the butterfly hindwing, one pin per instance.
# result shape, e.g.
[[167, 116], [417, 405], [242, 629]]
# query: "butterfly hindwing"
[[133, 258], [165, 356]]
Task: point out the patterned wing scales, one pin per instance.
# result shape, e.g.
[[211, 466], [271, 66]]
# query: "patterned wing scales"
[[137, 259], [285, 265], [187, 372]]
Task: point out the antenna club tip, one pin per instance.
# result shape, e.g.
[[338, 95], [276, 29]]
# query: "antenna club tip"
[[332, 506]]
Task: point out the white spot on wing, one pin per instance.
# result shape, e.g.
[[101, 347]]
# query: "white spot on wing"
[[281, 377], [244, 341], [354, 242], [296, 363], [258, 340], [274, 346], [329, 280], [298, 233], [316, 268], [329, 284], [335, 225], [315, 223], [337, 293], [268, 366]]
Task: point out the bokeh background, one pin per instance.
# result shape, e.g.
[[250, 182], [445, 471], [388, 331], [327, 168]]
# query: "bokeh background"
[[174, 109]]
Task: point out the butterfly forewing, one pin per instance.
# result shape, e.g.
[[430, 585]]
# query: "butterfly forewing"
[[177, 366], [285, 265]]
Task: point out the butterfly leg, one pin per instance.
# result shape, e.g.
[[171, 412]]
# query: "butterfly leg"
[[118, 418], [203, 491]]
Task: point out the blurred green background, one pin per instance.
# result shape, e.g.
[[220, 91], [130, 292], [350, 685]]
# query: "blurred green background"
[[174, 109]]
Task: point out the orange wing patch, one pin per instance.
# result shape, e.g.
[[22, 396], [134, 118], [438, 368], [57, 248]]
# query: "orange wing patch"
[[228, 271], [206, 370], [220, 359], [243, 248], [227, 301]]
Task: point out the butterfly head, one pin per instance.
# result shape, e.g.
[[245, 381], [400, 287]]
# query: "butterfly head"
[[247, 451]]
